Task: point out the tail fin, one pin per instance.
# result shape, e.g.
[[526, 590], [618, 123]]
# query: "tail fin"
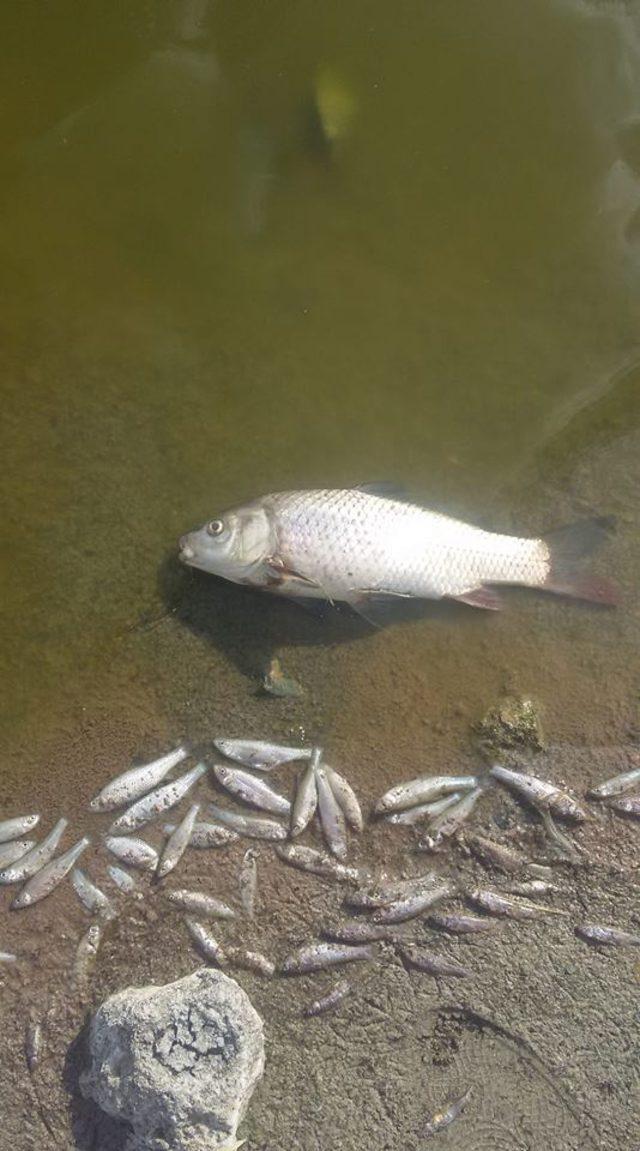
[[567, 547]]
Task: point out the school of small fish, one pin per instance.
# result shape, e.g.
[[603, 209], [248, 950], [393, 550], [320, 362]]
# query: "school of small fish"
[[377, 910]]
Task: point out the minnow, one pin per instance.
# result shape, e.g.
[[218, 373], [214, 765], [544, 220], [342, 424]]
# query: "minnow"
[[49, 877], [198, 903], [86, 953], [251, 961], [308, 859], [305, 801], [10, 852], [533, 887], [207, 835], [617, 785], [329, 1001], [27, 865], [33, 1044], [627, 804], [432, 964], [158, 801], [209, 946], [496, 854], [260, 754], [346, 798], [252, 825], [136, 782], [460, 924], [91, 897], [177, 842], [386, 891], [332, 819], [248, 882], [423, 811], [251, 790], [122, 879], [496, 904], [442, 1119], [132, 851], [316, 956], [607, 936], [423, 789], [8, 957], [362, 545], [411, 905], [540, 793], [357, 931], [19, 825], [449, 822]]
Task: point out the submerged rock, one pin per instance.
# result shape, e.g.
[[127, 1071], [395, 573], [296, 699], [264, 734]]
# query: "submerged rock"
[[513, 724], [275, 682], [179, 1062]]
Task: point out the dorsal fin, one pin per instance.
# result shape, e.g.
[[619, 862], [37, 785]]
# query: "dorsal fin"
[[386, 489]]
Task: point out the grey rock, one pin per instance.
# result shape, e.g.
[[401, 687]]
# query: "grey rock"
[[179, 1062]]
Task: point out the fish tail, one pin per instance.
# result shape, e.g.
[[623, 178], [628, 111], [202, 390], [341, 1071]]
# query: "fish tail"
[[567, 547]]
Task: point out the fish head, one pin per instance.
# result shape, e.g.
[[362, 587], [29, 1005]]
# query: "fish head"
[[233, 546]]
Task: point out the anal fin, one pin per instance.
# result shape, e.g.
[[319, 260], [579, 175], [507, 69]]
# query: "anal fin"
[[484, 597]]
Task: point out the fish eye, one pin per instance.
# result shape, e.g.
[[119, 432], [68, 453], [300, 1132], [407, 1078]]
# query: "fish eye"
[[215, 528]]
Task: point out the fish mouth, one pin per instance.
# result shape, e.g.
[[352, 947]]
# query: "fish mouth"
[[186, 552]]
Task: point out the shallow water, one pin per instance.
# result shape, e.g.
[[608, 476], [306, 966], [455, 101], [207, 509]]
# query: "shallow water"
[[205, 298]]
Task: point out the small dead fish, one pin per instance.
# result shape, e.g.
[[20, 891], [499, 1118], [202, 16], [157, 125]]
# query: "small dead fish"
[[496, 904], [86, 953], [158, 801], [607, 936], [346, 798], [207, 835], [545, 796], [316, 956], [122, 879], [423, 811], [424, 789], [27, 865], [442, 1119], [332, 819], [275, 682], [450, 821], [329, 1001], [251, 825], [209, 946], [132, 851], [198, 903], [10, 852], [177, 842], [411, 905], [387, 891], [91, 897], [533, 887], [306, 800], [248, 882], [357, 931], [260, 754], [308, 859], [136, 782], [617, 785], [627, 804], [251, 961], [8, 957], [251, 790], [495, 854], [432, 964], [568, 849], [460, 924], [49, 877], [19, 825], [33, 1044]]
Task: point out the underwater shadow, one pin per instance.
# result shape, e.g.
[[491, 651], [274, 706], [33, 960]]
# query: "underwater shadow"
[[93, 1129]]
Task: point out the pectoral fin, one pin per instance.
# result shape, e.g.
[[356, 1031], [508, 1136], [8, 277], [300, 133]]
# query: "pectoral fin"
[[484, 597], [378, 607], [288, 581]]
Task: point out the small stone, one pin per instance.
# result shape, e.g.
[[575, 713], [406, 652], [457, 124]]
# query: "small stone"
[[275, 682], [513, 724], [179, 1063]]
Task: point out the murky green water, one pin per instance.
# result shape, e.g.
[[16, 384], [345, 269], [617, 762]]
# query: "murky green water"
[[203, 298]]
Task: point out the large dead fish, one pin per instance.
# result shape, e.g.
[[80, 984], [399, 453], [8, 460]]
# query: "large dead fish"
[[366, 548]]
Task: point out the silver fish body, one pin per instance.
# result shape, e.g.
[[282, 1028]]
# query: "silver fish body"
[[496, 904], [442, 1119], [132, 851], [157, 802], [346, 798], [11, 852], [458, 924], [331, 817], [33, 1042], [123, 881], [449, 821], [19, 825], [494, 854], [540, 793], [136, 782], [259, 753], [85, 957], [251, 790], [423, 811], [433, 964], [316, 956], [177, 842], [252, 825], [8, 957], [248, 882], [411, 905], [308, 859], [329, 1001], [617, 785], [27, 865], [91, 897], [357, 931], [251, 961], [607, 936], [206, 943], [206, 835], [305, 802], [354, 545], [49, 877], [627, 804], [199, 903], [424, 789]]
